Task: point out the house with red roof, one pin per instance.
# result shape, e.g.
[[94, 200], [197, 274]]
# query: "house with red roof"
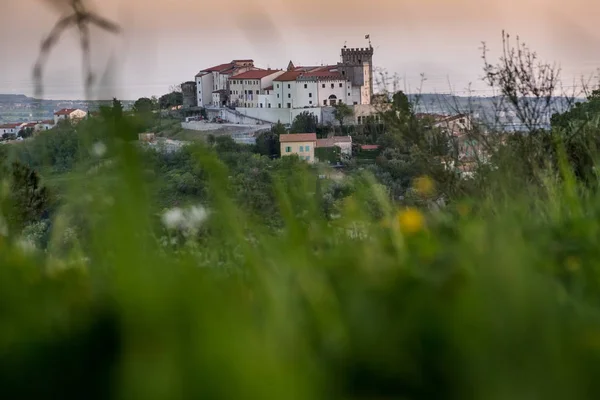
[[248, 88], [344, 143], [10, 129], [300, 144], [46, 125], [216, 78], [69, 114]]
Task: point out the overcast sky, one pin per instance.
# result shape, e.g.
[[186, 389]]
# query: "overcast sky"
[[168, 42]]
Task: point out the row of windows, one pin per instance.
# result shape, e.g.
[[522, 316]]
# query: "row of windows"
[[322, 85], [303, 149], [240, 82]]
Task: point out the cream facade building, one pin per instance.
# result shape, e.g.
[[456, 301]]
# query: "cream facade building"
[[71, 114], [245, 89], [301, 144]]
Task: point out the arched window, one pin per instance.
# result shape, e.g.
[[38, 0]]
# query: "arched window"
[[332, 100]]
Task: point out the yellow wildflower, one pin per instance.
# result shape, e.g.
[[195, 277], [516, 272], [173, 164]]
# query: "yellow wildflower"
[[463, 210], [424, 185], [572, 264], [411, 220]]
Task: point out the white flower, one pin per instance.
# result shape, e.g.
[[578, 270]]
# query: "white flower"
[[27, 246], [196, 215], [99, 149], [187, 220], [173, 218]]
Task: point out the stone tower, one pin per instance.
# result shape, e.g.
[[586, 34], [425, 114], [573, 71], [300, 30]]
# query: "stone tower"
[[190, 94], [357, 66]]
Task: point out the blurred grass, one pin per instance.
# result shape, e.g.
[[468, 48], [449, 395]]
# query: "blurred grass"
[[488, 298]]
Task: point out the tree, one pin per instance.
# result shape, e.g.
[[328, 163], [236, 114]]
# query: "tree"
[[342, 111], [305, 122], [25, 133], [30, 200], [6, 136], [278, 129], [172, 99], [143, 105], [267, 144], [401, 103], [117, 108]]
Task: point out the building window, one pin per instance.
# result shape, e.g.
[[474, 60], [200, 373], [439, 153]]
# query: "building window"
[[310, 102], [269, 105], [261, 105], [349, 94], [257, 92], [356, 102], [278, 86], [289, 95], [289, 86], [341, 85], [279, 105], [305, 86], [310, 95], [307, 149], [323, 86], [288, 149], [324, 102], [332, 85], [277, 95], [301, 149], [289, 105], [307, 158]]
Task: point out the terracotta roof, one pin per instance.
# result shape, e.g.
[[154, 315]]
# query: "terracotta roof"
[[322, 75], [65, 111], [288, 76], [219, 68], [30, 124], [298, 137], [257, 74], [245, 60], [369, 147], [332, 141], [9, 126], [269, 88]]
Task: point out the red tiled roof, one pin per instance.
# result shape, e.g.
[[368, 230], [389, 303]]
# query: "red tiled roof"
[[65, 111], [256, 74], [269, 88], [288, 76], [219, 68], [298, 137], [10, 126], [369, 147], [30, 124], [246, 60], [322, 75], [332, 141]]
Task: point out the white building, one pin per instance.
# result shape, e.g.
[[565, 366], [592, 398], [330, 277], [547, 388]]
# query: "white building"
[[46, 125], [214, 79], [343, 142], [70, 114], [246, 88], [10, 129]]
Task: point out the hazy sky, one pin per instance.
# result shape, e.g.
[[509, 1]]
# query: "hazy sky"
[[168, 42]]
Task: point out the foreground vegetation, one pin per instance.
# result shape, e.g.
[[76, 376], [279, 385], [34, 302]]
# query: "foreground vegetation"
[[221, 272]]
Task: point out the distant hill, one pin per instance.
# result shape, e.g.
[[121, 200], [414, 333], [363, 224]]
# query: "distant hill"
[[21, 108]]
